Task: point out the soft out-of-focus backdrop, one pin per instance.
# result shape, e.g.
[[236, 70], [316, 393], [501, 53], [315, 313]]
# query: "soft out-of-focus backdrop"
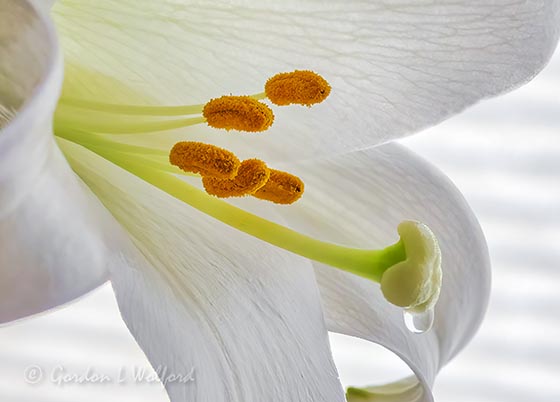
[[503, 154]]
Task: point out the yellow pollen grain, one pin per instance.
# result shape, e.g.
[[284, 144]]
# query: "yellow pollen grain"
[[241, 113], [301, 87], [252, 175], [205, 159], [281, 188]]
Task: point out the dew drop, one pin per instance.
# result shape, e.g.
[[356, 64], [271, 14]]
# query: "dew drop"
[[418, 323]]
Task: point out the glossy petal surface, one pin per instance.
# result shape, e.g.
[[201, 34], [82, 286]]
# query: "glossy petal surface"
[[395, 66]]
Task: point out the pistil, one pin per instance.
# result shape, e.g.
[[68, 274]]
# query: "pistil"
[[370, 264]]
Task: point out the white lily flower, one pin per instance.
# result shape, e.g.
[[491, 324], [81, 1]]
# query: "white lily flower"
[[251, 318]]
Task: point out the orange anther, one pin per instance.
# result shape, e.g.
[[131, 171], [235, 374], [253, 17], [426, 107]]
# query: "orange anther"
[[252, 175], [281, 188], [208, 160], [241, 113], [300, 87]]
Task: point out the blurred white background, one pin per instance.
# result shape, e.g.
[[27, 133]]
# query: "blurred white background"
[[504, 155]]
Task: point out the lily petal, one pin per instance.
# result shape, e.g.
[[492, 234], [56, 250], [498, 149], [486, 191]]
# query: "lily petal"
[[245, 316], [51, 235], [44, 5], [359, 199], [394, 67]]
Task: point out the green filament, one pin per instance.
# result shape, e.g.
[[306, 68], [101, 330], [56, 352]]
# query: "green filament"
[[131, 110], [114, 108], [99, 124], [150, 157]]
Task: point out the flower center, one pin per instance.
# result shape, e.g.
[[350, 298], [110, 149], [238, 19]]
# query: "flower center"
[[412, 264]]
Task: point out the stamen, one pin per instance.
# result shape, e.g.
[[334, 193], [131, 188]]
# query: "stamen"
[[242, 113], [205, 159], [252, 175], [300, 87], [142, 110], [281, 188]]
